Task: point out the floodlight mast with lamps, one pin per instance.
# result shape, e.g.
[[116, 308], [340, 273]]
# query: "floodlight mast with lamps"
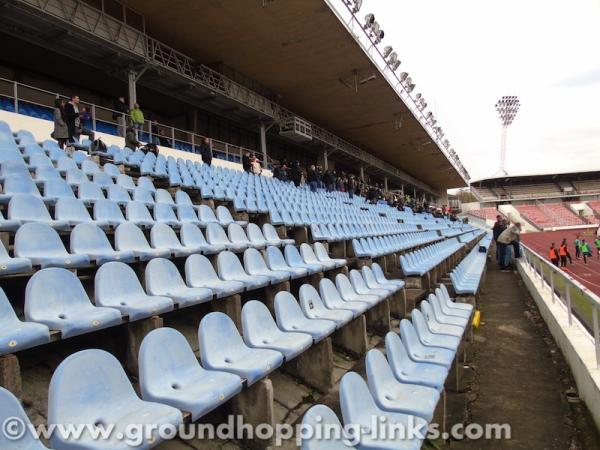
[[507, 108]]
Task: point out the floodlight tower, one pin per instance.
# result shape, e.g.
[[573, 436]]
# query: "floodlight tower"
[[507, 108]]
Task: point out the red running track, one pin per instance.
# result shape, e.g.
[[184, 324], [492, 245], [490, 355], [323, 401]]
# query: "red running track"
[[587, 274]]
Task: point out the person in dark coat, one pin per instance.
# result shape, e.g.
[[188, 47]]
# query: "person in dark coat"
[[61, 131], [121, 111], [206, 151], [247, 162], [72, 118]]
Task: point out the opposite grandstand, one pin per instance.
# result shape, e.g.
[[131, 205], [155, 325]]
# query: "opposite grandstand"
[[201, 249]]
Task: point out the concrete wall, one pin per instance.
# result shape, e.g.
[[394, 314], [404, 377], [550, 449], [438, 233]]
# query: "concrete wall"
[[574, 341], [41, 129], [466, 207]]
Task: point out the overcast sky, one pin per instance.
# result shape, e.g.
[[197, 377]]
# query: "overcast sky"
[[464, 55]]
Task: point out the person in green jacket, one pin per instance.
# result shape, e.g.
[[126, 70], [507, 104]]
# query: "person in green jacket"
[[597, 244], [585, 250], [137, 117]]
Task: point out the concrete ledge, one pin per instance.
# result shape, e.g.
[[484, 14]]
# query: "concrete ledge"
[[574, 341]]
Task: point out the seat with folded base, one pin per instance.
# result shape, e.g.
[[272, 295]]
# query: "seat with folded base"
[[255, 235], [438, 327], [89, 239], [427, 337], [225, 218], [163, 237], [16, 335], [187, 214], [137, 213], [393, 395], [10, 266], [289, 317], [163, 279], [349, 294], [143, 196], [164, 213], [294, 259], [28, 208], [191, 236], [18, 185], [57, 188], [260, 331], [215, 235], [442, 317], [89, 192], [254, 264], [372, 283], [108, 211], [276, 261], [361, 288], [207, 215], [273, 238], [309, 257], [237, 235], [360, 410], [230, 269], [171, 374], [333, 300], [56, 298], [324, 258], [11, 409], [423, 353], [443, 294], [129, 238], [117, 286], [314, 308], [412, 372], [222, 348], [90, 387], [119, 194], [73, 211], [380, 276], [42, 245], [8, 225], [199, 272], [163, 196]]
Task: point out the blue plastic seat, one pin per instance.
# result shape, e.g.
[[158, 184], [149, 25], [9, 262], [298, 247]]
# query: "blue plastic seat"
[[118, 194], [360, 410], [137, 213], [408, 371], [393, 395], [222, 348], [215, 235], [56, 298], [89, 239], [171, 374], [254, 264], [42, 245], [16, 335], [207, 216], [164, 213], [373, 283], [162, 237], [163, 196], [90, 192], [324, 258], [438, 327], [199, 272], [237, 235], [309, 257], [273, 238], [294, 259], [261, 331], [191, 236], [443, 294], [10, 266], [57, 188], [108, 211], [419, 352], [90, 387], [313, 307], [225, 218], [322, 416], [117, 286], [129, 238], [103, 180], [276, 261], [361, 288], [18, 185], [289, 317], [11, 409], [143, 196], [163, 279], [74, 212], [428, 338], [146, 183], [333, 300], [29, 208], [230, 268], [349, 294]]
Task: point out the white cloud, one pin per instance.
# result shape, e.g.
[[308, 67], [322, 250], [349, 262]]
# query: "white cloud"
[[465, 54]]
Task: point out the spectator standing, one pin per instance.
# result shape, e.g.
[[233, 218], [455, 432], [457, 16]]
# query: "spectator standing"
[[351, 186], [131, 139], [564, 254], [206, 151], [61, 131], [597, 244], [256, 166], [247, 162], [312, 178], [586, 252], [120, 115], [577, 247], [510, 236], [296, 173], [72, 118], [553, 255], [137, 117]]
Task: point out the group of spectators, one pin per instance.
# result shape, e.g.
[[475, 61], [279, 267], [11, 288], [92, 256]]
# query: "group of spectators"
[[506, 236], [251, 164], [71, 121]]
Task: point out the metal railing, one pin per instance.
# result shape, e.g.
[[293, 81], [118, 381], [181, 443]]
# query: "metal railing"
[[20, 98], [578, 300]]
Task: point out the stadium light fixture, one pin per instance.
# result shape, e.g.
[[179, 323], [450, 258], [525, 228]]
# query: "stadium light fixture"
[[507, 108]]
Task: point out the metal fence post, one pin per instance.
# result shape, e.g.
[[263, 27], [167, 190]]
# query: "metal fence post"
[[552, 285], [172, 137], [16, 96], [569, 312], [596, 335], [93, 117]]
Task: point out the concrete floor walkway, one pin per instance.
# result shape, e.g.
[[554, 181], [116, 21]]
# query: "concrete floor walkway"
[[520, 376]]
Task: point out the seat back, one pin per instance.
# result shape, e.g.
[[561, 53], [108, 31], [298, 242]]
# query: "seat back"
[[11, 409], [254, 233], [191, 236], [215, 234], [20, 184], [321, 252], [356, 402], [236, 234], [116, 280], [308, 255], [164, 213], [229, 266], [310, 298], [328, 292], [162, 276], [198, 268], [224, 215], [206, 214], [108, 210], [292, 256], [28, 207], [137, 211], [130, 238], [140, 194], [254, 262], [71, 209], [163, 196], [58, 188], [163, 236], [90, 191], [270, 233], [89, 238], [344, 286], [358, 282], [257, 322], [379, 372], [38, 239], [218, 337]]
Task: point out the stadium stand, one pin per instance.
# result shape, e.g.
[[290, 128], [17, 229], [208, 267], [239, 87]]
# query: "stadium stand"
[[549, 215], [467, 276], [489, 213]]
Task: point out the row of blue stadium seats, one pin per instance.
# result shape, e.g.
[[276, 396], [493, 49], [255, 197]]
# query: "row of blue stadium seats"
[[402, 390], [421, 261], [380, 246], [466, 277]]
